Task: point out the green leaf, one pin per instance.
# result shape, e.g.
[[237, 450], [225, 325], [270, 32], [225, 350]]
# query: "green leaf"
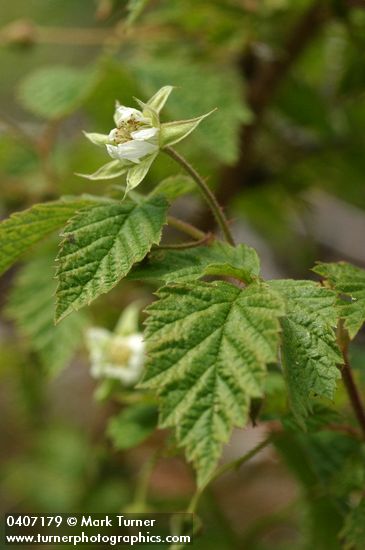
[[241, 262], [138, 172], [23, 229], [97, 139], [158, 101], [174, 187], [31, 306], [108, 171], [54, 92], [219, 135], [100, 246], [132, 426], [208, 345], [349, 282], [309, 350], [353, 531], [174, 132], [135, 8]]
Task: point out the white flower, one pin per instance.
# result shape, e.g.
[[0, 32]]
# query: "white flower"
[[115, 356], [134, 149], [137, 139], [134, 138]]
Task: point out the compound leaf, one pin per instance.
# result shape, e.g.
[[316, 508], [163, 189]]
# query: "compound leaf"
[[208, 346], [100, 246], [186, 265], [349, 282], [309, 350], [23, 229]]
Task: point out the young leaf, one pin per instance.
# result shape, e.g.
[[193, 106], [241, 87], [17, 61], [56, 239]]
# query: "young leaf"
[[309, 350], [100, 246], [23, 229], [173, 132], [186, 265], [349, 282], [208, 346], [54, 92], [132, 426], [31, 306], [174, 187]]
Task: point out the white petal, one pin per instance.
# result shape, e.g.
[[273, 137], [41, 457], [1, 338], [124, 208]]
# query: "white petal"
[[122, 114], [132, 150], [144, 134]]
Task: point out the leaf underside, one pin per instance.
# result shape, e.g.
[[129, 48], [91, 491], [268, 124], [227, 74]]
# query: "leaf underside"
[[208, 345], [101, 244], [309, 350], [349, 282]]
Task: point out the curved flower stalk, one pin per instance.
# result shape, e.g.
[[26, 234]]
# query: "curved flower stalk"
[[138, 137], [120, 354]]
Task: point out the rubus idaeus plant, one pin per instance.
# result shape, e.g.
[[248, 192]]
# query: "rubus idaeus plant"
[[216, 329]]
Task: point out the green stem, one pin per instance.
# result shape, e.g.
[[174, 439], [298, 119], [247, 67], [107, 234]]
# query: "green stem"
[[233, 465], [206, 192], [140, 496], [183, 246], [187, 228]]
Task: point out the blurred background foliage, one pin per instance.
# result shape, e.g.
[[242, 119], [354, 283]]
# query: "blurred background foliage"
[[285, 153]]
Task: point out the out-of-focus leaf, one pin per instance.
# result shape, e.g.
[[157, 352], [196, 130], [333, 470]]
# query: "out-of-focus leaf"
[[174, 187], [31, 306], [132, 426], [54, 92], [354, 528], [201, 89]]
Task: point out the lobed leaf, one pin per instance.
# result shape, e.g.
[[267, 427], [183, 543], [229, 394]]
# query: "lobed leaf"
[[101, 244], [309, 350], [186, 265], [24, 229], [208, 346], [349, 282]]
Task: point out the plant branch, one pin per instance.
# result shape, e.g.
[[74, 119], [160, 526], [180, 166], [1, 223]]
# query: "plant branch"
[[233, 465], [262, 80], [183, 246], [206, 192], [348, 379], [186, 228]]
